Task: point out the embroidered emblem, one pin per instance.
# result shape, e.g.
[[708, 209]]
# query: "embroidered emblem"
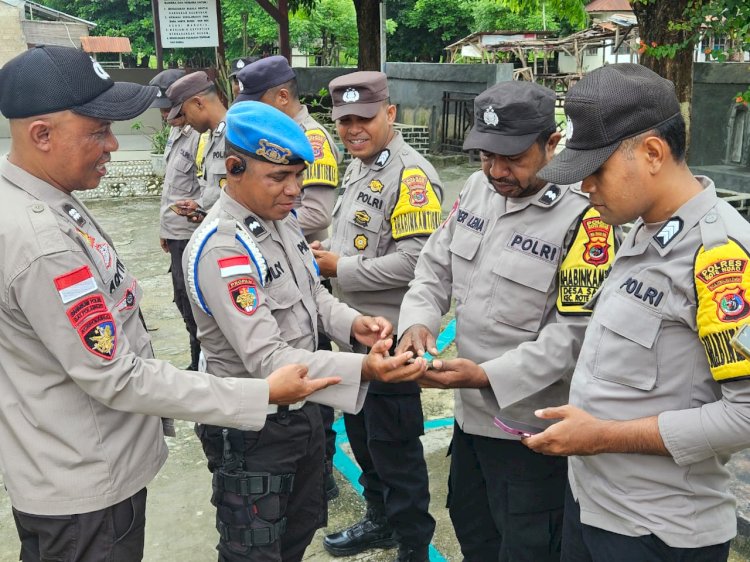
[[361, 218], [416, 183], [596, 250], [324, 170], [273, 152], [128, 301], [383, 158], [731, 304], [490, 117], [350, 96], [254, 226], [376, 186], [74, 214], [244, 295], [234, 265], [95, 325], [360, 242], [75, 284], [667, 233], [549, 195]]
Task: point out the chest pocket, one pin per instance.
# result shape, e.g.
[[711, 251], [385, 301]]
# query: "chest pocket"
[[283, 298], [363, 230], [183, 164], [521, 290], [626, 353], [216, 170]]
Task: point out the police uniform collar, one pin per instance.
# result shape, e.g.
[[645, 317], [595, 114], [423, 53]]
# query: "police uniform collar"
[[685, 218], [187, 130], [219, 130], [302, 115], [549, 195], [388, 153], [240, 214], [38, 188]]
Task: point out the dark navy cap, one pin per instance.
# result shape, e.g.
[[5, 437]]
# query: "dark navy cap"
[[48, 79], [265, 133], [509, 117], [262, 75], [239, 64], [163, 81]]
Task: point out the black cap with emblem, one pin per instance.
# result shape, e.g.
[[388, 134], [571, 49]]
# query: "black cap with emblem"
[[48, 79], [163, 81], [508, 117], [359, 93]]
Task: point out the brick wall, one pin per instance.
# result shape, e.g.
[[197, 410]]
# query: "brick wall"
[[12, 42], [415, 135]]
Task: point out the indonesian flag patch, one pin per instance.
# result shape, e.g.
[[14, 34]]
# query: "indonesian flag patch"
[[95, 325], [234, 265], [244, 294], [75, 284]]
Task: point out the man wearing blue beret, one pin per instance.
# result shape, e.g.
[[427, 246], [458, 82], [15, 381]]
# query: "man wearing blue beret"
[[258, 302]]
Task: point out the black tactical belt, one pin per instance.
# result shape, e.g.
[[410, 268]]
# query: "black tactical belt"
[[252, 537], [253, 483]]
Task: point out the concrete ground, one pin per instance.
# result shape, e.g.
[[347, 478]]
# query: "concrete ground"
[[180, 519]]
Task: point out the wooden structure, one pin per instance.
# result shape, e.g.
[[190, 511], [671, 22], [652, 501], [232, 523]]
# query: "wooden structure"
[[481, 44], [96, 45]]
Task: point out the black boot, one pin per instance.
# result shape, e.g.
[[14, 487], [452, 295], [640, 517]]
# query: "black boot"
[[413, 553], [332, 488], [373, 531]]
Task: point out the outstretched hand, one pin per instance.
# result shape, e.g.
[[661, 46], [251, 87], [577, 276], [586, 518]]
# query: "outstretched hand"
[[290, 384], [379, 365]]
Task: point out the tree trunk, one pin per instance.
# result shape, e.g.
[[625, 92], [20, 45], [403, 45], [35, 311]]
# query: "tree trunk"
[[368, 28], [653, 26]]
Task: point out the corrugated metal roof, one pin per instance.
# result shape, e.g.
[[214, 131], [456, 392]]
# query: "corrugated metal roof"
[[609, 6], [106, 45]]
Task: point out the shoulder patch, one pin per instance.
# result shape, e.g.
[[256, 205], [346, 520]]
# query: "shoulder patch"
[[586, 264], [95, 325], [234, 265], [244, 294], [722, 278], [417, 211], [75, 284], [200, 154], [324, 170]]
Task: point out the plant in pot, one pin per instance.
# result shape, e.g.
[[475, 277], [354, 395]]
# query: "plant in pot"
[[158, 139]]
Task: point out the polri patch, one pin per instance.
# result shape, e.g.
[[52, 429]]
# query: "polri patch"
[[534, 247], [95, 325], [75, 284], [244, 294]]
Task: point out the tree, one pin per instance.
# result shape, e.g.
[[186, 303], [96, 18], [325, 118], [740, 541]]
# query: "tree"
[[328, 31], [368, 31]]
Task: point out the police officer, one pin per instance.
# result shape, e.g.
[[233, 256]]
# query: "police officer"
[[180, 182], [258, 302], [235, 67], [272, 81], [389, 205], [80, 391], [195, 98], [521, 257], [658, 388]]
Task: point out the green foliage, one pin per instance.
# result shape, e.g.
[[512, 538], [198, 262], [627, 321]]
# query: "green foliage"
[[157, 137], [492, 15], [328, 30], [571, 10]]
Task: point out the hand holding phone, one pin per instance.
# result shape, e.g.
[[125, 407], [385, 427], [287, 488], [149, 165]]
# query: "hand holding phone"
[[519, 429]]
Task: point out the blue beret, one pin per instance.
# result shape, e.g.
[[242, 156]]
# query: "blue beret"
[[265, 133]]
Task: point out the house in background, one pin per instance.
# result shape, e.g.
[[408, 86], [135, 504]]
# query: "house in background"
[[24, 24]]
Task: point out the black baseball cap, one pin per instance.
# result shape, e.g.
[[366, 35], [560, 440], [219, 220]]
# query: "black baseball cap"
[[508, 117], [359, 93], [258, 77], [239, 64], [48, 78], [610, 104], [163, 81]]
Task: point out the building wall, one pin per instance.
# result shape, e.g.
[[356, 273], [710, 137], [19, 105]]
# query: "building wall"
[[12, 42], [65, 34]]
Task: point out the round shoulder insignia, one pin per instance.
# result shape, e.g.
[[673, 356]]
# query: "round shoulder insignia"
[[350, 95], [490, 117]]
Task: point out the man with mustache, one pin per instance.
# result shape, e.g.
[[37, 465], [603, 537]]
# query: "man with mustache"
[[80, 390], [388, 206], [521, 257]]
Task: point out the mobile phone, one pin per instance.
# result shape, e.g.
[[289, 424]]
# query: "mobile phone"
[[741, 340], [519, 429], [197, 213]]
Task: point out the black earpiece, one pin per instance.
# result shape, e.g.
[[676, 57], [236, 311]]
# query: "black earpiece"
[[237, 169]]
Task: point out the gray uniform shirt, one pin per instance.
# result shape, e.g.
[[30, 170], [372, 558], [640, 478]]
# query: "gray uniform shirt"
[[315, 202], [257, 300], [80, 392], [656, 345], [214, 171], [518, 295], [382, 218], [180, 182]]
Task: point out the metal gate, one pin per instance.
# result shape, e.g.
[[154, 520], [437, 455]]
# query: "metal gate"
[[458, 117]]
